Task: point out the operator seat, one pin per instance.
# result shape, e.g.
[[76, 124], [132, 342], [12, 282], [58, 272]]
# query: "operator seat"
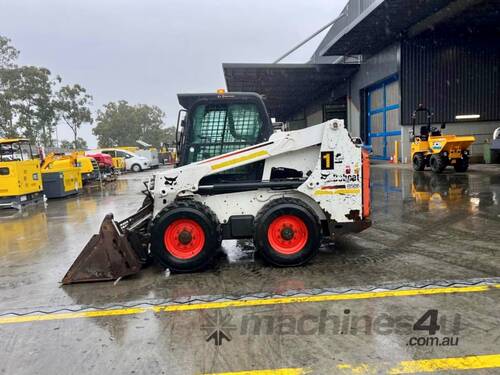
[[424, 133]]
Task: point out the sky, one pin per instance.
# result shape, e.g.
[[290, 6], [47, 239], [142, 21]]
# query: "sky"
[[147, 51]]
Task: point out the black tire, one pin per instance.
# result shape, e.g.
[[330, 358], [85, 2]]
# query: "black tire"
[[289, 207], [136, 168], [185, 210], [461, 165], [418, 162], [438, 163]]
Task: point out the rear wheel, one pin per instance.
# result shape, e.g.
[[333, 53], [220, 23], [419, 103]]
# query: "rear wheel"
[[418, 162], [287, 232], [185, 236], [438, 163], [461, 165]]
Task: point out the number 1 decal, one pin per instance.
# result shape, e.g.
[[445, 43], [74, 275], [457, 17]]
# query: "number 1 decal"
[[327, 161]]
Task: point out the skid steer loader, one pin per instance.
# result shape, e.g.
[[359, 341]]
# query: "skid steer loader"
[[237, 179]]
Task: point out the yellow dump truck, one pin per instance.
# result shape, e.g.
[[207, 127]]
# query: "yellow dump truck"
[[436, 150], [20, 179]]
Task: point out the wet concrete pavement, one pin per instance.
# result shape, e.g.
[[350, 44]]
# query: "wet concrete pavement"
[[427, 229]]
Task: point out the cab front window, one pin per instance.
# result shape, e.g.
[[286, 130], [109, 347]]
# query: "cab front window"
[[222, 128], [15, 151]]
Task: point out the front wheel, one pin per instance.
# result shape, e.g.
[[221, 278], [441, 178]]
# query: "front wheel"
[[438, 163], [185, 236], [287, 232], [418, 162], [136, 168]]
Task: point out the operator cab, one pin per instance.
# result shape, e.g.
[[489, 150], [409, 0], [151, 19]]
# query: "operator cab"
[[433, 132], [210, 125], [18, 149], [19, 173]]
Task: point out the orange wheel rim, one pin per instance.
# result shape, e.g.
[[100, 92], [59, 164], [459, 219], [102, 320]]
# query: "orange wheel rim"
[[184, 238], [287, 234]]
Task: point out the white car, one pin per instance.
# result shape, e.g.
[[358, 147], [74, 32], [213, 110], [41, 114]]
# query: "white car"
[[133, 162], [151, 155]]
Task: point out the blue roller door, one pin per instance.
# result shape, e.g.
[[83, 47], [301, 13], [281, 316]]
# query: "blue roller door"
[[383, 105]]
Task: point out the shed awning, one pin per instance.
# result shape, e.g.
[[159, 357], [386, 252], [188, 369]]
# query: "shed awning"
[[380, 24], [287, 87]]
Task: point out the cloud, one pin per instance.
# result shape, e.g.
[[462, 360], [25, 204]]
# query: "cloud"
[[148, 51]]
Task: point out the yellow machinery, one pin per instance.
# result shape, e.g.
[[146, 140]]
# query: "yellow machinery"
[[61, 178], [431, 148], [167, 155], [20, 180], [119, 163], [89, 168]]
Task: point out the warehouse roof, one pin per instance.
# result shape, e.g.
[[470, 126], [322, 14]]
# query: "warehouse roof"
[[287, 87], [378, 23]]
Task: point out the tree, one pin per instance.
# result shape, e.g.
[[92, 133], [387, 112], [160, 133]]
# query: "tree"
[[73, 104], [122, 124], [8, 54], [81, 144], [27, 105]]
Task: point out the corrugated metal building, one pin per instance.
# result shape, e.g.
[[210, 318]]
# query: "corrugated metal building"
[[380, 60]]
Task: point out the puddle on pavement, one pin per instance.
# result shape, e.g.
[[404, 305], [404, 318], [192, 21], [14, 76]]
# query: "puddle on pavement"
[[33, 228], [238, 251], [436, 192]]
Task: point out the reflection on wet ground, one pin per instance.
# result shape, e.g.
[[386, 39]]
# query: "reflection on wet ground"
[[419, 219], [425, 227]]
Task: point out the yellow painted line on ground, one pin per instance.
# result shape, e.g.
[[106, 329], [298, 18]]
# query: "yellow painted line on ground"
[[280, 371], [72, 315], [321, 298], [475, 362], [240, 159], [247, 303]]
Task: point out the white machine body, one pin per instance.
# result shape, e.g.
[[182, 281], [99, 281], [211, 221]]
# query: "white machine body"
[[331, 162]]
